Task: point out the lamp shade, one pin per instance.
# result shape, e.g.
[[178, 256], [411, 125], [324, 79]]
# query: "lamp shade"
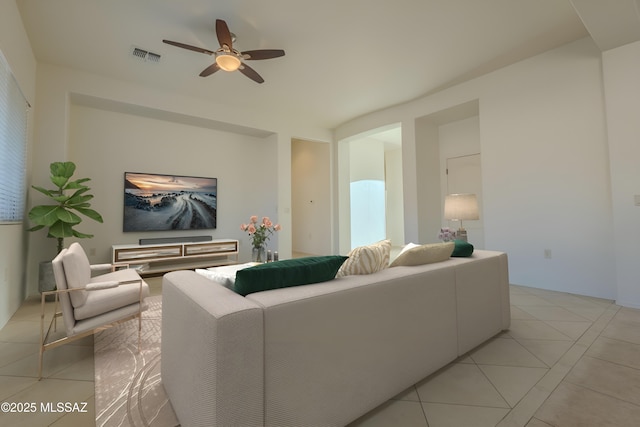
[[461, 207]]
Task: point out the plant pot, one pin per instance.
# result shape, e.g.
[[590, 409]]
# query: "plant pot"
[[46, 279]]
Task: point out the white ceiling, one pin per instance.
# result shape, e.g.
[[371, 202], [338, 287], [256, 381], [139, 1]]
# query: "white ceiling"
[[344, 58]]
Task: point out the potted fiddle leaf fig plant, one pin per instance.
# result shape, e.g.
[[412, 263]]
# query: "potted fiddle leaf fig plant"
[[68, 198]]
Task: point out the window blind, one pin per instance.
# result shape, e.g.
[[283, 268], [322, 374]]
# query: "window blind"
[[13, 146]]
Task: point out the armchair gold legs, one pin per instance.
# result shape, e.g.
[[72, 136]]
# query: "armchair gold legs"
[[44, 336]]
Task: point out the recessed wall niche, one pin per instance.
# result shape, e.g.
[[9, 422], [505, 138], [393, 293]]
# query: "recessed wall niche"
[[433, 133]]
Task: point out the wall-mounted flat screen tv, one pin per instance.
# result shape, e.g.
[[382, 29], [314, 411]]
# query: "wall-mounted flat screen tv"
[[154, 202]]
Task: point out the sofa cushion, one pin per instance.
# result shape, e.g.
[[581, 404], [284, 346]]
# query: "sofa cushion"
[[287, 273], [424, 254], [77, 271], [462, 249], [366, 259]]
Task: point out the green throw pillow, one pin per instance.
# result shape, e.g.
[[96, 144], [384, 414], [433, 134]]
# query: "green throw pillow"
[[291, 272], [462, 249]]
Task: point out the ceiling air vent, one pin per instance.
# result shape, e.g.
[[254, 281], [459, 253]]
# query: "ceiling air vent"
[[144, 55]]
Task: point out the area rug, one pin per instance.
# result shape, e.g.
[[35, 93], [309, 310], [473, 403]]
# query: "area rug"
[[128, 388]]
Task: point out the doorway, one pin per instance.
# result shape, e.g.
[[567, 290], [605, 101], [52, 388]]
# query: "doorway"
[[310, 198], [370, 189]]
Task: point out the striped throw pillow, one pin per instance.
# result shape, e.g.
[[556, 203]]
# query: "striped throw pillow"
[[367, 259]]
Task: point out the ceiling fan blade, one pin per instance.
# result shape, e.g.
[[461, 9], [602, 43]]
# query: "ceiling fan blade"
[[188, 46], [223, 33], [210, 70], [251, 73], [262, 54]]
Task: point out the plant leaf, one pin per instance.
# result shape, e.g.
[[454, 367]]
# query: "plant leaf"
[[81, 235], [44, 191], [36, 228], [90, 213], [44, 215], [60, 230], [80, 191], [67, 216], [62, 169], [59, 181], [77, 184], [76, 200], [60, 199]]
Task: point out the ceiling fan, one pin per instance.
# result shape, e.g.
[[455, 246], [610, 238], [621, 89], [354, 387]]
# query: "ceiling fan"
[[228, 58]]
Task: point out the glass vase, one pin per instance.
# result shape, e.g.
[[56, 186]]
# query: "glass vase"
[[259, 254]]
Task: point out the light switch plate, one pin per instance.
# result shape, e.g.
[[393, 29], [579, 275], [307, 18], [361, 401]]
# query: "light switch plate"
[[636, 200]]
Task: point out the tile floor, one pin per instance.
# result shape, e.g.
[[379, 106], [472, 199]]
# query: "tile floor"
[[567, 360]]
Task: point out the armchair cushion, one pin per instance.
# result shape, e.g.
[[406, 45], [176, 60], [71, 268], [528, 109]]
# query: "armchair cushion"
[[96, 286], [104, 300], [78, 272]]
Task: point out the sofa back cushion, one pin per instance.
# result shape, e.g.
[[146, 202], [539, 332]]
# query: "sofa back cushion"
[[424, 254], [78, 273], [367, 259], [291, 272]]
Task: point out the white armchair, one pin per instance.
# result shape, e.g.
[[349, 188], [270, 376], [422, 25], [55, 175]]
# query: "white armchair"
[[90, 304]]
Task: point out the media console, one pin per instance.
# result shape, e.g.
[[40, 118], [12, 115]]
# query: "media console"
[[160, 258]]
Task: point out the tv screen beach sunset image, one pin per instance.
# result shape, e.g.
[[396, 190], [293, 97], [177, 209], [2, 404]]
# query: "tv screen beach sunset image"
[[155, 202]]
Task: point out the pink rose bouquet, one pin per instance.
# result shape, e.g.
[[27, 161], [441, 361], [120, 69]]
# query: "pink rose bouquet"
[[260, 232]]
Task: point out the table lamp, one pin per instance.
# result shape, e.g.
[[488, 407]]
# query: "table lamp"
[[458, 207]]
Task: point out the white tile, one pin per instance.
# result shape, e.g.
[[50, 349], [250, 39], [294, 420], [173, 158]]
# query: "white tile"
[[548, 351], [446, 415], [536, 330], [520, 314], [573, 330], [552, 313], [537, 423], [574, 406], [54, 361], [616, 351], [522, 300], [513, 382], [460, 384], [11, 385], [589, 313], [394, 413], [505, 352], [608, 378], [11, 352]]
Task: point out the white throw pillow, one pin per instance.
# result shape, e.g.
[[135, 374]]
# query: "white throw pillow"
[[224, 275], [366, 259], [424, 254]]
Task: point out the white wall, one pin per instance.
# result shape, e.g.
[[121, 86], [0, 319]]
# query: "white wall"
[[311, 197], [105, 144], [16, 48], [545, 166], [546, 171], [622, 88], [395, 204], [427, 160], [208, 126]]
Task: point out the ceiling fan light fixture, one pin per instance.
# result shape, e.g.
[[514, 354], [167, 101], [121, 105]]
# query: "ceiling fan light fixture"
[[228, 61]]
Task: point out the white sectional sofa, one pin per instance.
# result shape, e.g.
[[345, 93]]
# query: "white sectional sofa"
[[322, 354]]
